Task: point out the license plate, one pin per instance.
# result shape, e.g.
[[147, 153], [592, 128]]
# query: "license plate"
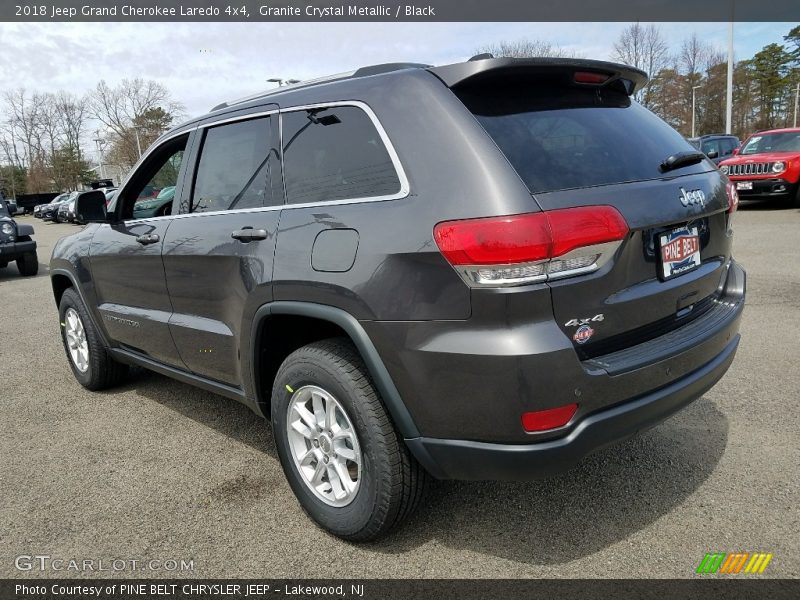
[[744, 185], [680, 251]]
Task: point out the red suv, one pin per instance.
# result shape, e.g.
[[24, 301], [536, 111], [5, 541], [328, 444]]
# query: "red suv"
[[767, 166]]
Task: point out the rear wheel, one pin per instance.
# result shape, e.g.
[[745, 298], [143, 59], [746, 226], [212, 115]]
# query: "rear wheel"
[[28, 264], [3, 264], [796, 200], [344, 461], [92, 365]]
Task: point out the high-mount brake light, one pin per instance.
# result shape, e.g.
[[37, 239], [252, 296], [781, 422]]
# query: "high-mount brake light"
[[518, 249], [589, 77]]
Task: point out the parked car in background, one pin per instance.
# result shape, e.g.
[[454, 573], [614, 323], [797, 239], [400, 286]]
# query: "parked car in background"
[[484, 270], [50, 211], [66, 210], [155, 207], [717, 146], [15, 241], [768, 166]]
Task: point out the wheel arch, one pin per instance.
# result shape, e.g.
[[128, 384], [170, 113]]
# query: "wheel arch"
[[332, 322]]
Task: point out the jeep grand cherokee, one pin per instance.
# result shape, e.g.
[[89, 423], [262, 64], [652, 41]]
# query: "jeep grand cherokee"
[[484, 270]]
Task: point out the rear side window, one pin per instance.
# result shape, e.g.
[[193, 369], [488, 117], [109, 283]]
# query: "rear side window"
[[334, 154], [234, 168], [563, 138]]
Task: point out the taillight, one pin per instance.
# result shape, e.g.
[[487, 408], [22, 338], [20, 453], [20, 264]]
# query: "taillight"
[[733, 197], [733, 204], [519, 249]]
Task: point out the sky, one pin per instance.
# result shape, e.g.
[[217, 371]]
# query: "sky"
[[204, 64]]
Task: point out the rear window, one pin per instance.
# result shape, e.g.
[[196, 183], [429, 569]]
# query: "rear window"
[[334, 154], [563, 138]]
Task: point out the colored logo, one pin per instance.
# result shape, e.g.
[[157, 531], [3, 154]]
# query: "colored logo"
[[734, 562], [583, 334]]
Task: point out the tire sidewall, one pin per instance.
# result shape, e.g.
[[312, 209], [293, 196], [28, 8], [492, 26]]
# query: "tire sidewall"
[[70, 300], [347, 520]]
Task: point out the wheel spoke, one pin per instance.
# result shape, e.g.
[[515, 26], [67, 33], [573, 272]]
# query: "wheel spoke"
[[319, 471], [330, 415], [306, 459], [318, 403], [347, 453], [302, 429], [306, 416]]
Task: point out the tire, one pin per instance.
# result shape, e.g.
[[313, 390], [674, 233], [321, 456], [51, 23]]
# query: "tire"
[[100, 370], [3, 264], [390, 483], [795, 203], [28, 264]]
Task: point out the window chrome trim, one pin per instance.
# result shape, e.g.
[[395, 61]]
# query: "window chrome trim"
[[403, 192]]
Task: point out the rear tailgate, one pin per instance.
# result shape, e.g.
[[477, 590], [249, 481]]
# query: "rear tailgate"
[[576, 143]]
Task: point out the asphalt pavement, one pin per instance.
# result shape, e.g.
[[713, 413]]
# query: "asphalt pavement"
[[158, 470]]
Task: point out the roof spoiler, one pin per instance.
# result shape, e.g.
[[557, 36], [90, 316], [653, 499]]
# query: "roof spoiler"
[[490, 69]]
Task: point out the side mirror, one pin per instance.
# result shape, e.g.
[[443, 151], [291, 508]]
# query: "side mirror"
[[736, 150], [712, 154], [12, 207], [90, 207]]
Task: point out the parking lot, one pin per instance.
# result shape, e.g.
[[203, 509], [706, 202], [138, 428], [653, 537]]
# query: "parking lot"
[[156, 469]]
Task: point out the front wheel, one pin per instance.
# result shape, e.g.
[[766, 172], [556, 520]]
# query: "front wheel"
[[341, 455], [91, 363], [28, 264]]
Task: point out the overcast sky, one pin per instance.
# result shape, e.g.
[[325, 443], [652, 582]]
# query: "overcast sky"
[[204, 64]]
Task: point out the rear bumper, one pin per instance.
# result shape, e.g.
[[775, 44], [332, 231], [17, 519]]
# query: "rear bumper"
[[461, 459]]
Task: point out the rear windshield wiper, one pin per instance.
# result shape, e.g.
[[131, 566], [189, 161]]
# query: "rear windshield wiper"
[[681, 159]]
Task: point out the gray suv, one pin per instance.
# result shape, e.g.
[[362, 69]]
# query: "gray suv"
[[484, 270]]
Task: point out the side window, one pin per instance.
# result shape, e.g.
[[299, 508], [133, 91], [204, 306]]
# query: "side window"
[[333, 154], [729, 145], [711, 146], [152, 187], [234, 167]]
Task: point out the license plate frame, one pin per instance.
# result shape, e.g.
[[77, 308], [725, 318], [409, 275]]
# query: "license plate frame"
[[744, 185], [678, 252]]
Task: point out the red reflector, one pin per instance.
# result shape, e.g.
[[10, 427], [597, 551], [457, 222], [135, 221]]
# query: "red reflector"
[[529, 237], [589, 77], [542, 420]]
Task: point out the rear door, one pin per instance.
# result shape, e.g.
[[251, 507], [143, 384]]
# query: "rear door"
[[127, 266], [585, 145], [218, 253]]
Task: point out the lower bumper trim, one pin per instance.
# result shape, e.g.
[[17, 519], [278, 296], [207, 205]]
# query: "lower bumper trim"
[[468, 460]]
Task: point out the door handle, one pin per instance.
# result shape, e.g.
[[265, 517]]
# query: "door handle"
[[248, 234], [147, 238]]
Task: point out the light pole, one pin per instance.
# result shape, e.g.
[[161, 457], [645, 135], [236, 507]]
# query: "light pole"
[[796, 97], [729, 83], [100, 142], [694, 87], [138, 143]]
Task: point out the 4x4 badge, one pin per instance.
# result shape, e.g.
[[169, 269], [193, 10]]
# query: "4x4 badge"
[[577, 322]]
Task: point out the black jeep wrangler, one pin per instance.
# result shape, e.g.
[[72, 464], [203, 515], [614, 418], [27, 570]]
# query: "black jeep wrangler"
[[15, 241], [483, 270]]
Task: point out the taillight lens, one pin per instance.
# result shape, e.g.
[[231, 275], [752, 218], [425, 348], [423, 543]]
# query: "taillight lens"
[[733, 197], [518, 249]]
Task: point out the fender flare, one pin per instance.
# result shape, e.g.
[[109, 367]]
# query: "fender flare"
[[77, 288], [377, 370], [24, 229]]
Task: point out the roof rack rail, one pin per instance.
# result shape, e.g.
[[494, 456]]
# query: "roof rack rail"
[[362, 72]]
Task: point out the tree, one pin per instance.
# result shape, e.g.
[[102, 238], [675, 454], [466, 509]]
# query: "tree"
[[771, 70], [525, 48], [125, 108], [644, 48]]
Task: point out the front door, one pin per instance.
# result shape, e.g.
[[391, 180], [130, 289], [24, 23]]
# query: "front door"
[[128, 270]]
